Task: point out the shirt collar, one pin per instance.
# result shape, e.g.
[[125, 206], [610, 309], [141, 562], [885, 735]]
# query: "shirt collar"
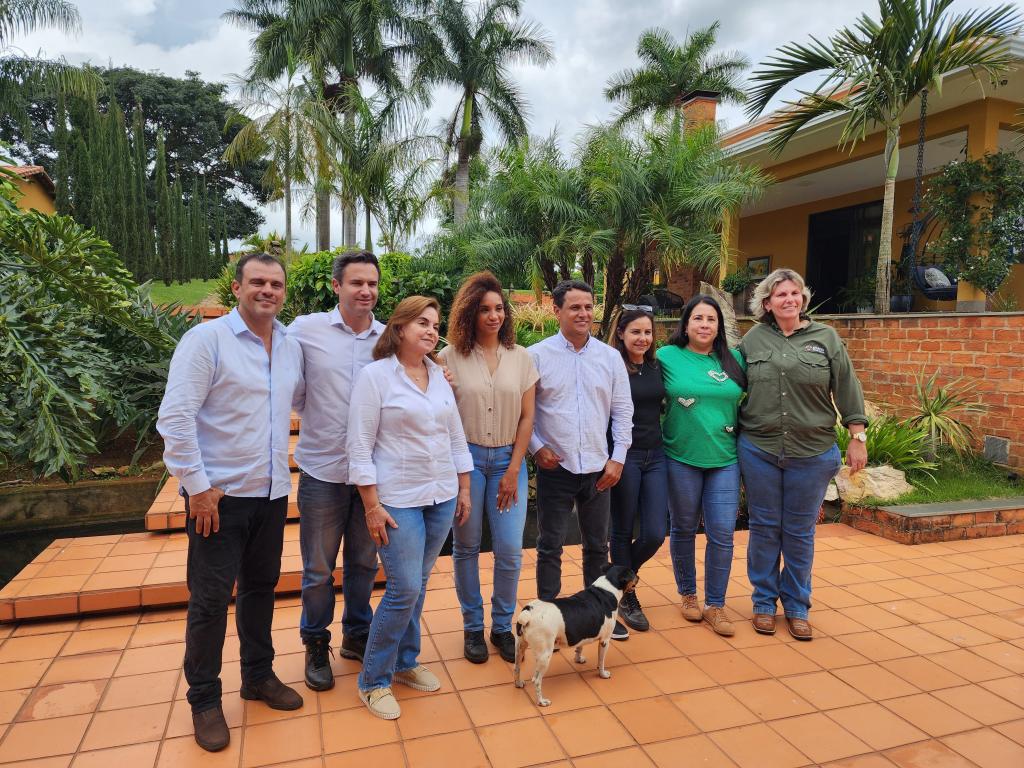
[[570, 346], [432, 367], [238, 325], [334, 318]]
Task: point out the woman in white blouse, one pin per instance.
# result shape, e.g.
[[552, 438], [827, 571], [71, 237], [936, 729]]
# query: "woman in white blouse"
[[494, 382], [409, 458]]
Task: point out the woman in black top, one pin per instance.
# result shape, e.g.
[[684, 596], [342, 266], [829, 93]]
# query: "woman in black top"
[[641, 494]]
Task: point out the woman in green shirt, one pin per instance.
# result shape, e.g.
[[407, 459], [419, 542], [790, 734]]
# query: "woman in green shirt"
[[799, 375], [704, 382]]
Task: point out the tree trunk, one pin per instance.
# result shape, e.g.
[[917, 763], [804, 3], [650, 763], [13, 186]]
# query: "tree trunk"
[[369, 234], [614, 274], [323, 220], [587, 268], [287, 216], [642, 274], [348, 203], [461, 201], [892, 166]]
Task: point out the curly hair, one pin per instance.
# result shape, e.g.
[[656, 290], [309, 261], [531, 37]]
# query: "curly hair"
[[466, 307], [407, 311]]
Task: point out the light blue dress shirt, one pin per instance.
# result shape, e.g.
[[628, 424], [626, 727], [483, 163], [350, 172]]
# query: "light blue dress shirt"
[[407, 442], [577, 393], [333, 355], [226, 413]]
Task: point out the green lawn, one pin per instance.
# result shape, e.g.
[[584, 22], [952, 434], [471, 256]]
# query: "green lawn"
[[973, 478], [188, 293]]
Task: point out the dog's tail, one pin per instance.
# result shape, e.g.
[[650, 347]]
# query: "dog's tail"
[[523, 619]]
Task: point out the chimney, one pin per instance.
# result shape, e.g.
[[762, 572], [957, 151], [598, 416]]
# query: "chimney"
[[699, 107]]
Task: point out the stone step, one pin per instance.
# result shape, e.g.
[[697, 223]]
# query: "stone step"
[[94, 574]]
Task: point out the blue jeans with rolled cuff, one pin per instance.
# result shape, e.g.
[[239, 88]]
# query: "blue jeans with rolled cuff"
[[784, 496], [714, 494], [506, 526], [640, 500], [394, 641], [330, 513]]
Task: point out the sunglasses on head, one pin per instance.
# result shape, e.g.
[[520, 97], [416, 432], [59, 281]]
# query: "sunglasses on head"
[[641, 307]]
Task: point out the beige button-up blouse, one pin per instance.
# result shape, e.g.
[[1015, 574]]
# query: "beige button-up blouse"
[[490, 406]]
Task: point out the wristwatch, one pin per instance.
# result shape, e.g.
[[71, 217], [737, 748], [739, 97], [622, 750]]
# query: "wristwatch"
[[862, 436]]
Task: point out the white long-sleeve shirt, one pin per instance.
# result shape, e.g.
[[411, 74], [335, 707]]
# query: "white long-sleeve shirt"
[[407, 442], [333, 355], [226, 413], [577, 393]]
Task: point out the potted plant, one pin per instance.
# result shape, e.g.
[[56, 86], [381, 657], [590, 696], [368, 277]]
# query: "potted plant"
[[736, 283], [901, 296], [859, 294]]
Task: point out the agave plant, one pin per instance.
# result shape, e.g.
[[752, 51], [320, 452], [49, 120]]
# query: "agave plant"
[[939, 410], [900, 444]]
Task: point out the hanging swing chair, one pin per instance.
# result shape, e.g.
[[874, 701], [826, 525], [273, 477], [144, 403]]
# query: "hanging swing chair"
[[929, 279]]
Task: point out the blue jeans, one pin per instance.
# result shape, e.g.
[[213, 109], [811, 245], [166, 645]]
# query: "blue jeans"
[[641, 494], [489, 465], [784, 496], [714, 494], [408, 557], [328, 513]]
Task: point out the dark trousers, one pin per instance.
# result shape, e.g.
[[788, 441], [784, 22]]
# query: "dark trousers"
[[640, 499], [557, 491], [246, 549]]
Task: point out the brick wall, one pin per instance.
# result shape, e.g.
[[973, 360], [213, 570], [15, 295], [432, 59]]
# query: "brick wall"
[[988, 349]]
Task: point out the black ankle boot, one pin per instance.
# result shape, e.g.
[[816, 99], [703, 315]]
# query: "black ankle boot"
[[474, 648]]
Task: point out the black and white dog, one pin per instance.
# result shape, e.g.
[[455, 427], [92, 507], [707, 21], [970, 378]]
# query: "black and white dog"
[[571, 621]]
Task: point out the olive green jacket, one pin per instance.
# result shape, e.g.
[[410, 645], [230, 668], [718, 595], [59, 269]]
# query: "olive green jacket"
[[795, 386]]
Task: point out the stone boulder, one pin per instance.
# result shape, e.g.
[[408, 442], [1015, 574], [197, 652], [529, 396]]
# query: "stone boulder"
[[881, 482]]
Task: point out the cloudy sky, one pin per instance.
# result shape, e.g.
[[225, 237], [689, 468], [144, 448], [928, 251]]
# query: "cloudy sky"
[[592, 39]]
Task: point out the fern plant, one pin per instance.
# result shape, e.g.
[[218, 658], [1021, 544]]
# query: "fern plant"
[[900, 444], [939, 411]]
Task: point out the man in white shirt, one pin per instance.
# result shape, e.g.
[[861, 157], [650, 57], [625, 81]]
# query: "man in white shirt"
[[336, 346], [225, 420], [583, 383]]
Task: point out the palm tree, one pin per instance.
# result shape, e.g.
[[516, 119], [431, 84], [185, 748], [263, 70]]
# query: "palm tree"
[[472, 51], [671, 72], [874, 70], [16, 71], [340, 42], [284, 131]]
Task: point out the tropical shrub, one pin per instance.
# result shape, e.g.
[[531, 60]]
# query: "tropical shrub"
[[534, 322], [938, 411], [737, 282], [891, 441], [83, 352]]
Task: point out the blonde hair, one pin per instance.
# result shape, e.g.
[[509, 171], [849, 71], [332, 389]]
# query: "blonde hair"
[[407, 311], [763, 291]]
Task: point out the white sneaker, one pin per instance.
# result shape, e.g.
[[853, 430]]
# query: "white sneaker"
[[420, 678], [382, 703]]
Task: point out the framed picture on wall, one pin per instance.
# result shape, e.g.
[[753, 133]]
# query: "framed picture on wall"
[[759, 266]]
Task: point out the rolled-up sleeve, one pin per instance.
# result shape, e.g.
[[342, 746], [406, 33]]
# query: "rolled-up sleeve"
[[363, 422], [846, 390], [622, 413], [188, 383]]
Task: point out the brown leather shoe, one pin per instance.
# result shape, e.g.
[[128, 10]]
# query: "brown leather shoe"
[[211, 730], [764, 623], [273, 693], [719, 622], [799, 628]]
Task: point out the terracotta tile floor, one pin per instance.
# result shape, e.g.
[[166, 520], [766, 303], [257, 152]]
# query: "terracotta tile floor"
[[906, 670]]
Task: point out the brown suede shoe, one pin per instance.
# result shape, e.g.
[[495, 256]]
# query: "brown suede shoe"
[[273, 693], [691, 608], [211, 730], [715, 616], [799, 628], [764, 623]]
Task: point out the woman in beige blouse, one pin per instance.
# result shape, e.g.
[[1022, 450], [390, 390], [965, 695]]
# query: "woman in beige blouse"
[[494, 380]]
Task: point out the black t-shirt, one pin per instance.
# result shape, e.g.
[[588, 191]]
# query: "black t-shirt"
[[648, 392]]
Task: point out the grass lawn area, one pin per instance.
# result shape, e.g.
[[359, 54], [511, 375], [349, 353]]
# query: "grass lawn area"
[[188, 293], [955, 480]]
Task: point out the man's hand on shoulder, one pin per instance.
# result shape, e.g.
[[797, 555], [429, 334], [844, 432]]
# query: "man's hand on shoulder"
[[203, 508]]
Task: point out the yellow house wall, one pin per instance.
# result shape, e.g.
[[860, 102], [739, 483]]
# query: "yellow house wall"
[[782, 234], [34, 197]]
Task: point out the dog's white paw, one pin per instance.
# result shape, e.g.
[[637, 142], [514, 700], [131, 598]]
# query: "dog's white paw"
[[580, 659], [604, 674], [544, 702]]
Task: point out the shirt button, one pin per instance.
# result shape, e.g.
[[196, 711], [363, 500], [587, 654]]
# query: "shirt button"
[[489, 410]]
